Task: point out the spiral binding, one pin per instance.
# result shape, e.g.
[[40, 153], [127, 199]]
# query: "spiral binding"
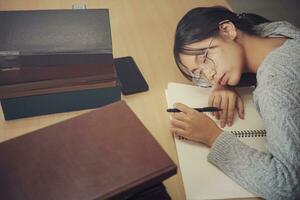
[[250, 133]]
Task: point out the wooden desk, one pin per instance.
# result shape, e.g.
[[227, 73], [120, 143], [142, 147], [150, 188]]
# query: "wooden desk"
[[145, 30]]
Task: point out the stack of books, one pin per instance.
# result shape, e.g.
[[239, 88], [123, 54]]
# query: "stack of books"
[[55, 61]]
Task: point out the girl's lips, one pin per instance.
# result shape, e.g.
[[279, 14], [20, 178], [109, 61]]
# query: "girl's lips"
[[222, 80]]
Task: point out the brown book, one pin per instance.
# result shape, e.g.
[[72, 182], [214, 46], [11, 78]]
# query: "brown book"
[[106, 153], [41, 75]]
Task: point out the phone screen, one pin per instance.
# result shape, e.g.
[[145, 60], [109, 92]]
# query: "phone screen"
[[131, 79]]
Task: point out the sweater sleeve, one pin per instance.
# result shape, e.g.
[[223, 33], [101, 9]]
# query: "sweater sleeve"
[[271, 175]]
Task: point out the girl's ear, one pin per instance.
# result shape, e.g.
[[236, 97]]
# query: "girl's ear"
[[228, 29]]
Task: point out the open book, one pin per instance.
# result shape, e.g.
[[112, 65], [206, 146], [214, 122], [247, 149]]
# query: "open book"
[[201, 179]]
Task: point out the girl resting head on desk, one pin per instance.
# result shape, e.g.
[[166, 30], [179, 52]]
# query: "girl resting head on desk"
[[214, 47]]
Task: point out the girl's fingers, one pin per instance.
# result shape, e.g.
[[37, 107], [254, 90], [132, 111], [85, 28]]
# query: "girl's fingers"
[[178, 124], [185, 109], [178, 131], [179, 116], [231, 110], [216, 103], [240, 108], [224, 106], [210, 103]]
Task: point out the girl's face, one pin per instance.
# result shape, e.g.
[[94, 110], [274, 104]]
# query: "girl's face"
[[224, 63]]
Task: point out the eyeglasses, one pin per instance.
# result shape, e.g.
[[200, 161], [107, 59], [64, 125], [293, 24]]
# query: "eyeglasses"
[[203, 74]]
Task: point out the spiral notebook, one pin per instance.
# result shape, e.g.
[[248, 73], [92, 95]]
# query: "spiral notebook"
[[201, 179]]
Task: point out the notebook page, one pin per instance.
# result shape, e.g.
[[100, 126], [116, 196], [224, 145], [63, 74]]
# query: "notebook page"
[[201, 179]]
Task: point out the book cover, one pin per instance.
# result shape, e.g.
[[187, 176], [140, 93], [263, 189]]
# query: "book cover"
[[105, 153]]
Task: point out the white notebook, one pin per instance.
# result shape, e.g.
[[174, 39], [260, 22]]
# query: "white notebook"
[[201, 179]]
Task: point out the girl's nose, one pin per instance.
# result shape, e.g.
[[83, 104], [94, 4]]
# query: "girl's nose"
[[210, 74]]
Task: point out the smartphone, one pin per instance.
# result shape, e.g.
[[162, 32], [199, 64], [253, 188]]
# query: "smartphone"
[[129, 75]]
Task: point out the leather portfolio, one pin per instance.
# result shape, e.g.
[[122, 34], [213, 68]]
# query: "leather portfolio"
[[106, 153], [55, 54]]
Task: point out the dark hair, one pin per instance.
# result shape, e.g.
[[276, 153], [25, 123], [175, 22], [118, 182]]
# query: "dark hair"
[[203, 22]]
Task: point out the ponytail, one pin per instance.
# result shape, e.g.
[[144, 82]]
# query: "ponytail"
[[252, 19]]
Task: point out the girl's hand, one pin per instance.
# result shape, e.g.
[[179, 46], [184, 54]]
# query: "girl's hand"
[[194, 125], [227, 99]]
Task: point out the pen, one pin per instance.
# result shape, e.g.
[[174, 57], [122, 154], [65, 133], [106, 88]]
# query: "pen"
[[204, 109]]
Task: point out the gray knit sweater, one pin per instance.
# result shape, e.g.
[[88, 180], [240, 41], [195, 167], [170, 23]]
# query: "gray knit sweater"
[[275, 174]]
